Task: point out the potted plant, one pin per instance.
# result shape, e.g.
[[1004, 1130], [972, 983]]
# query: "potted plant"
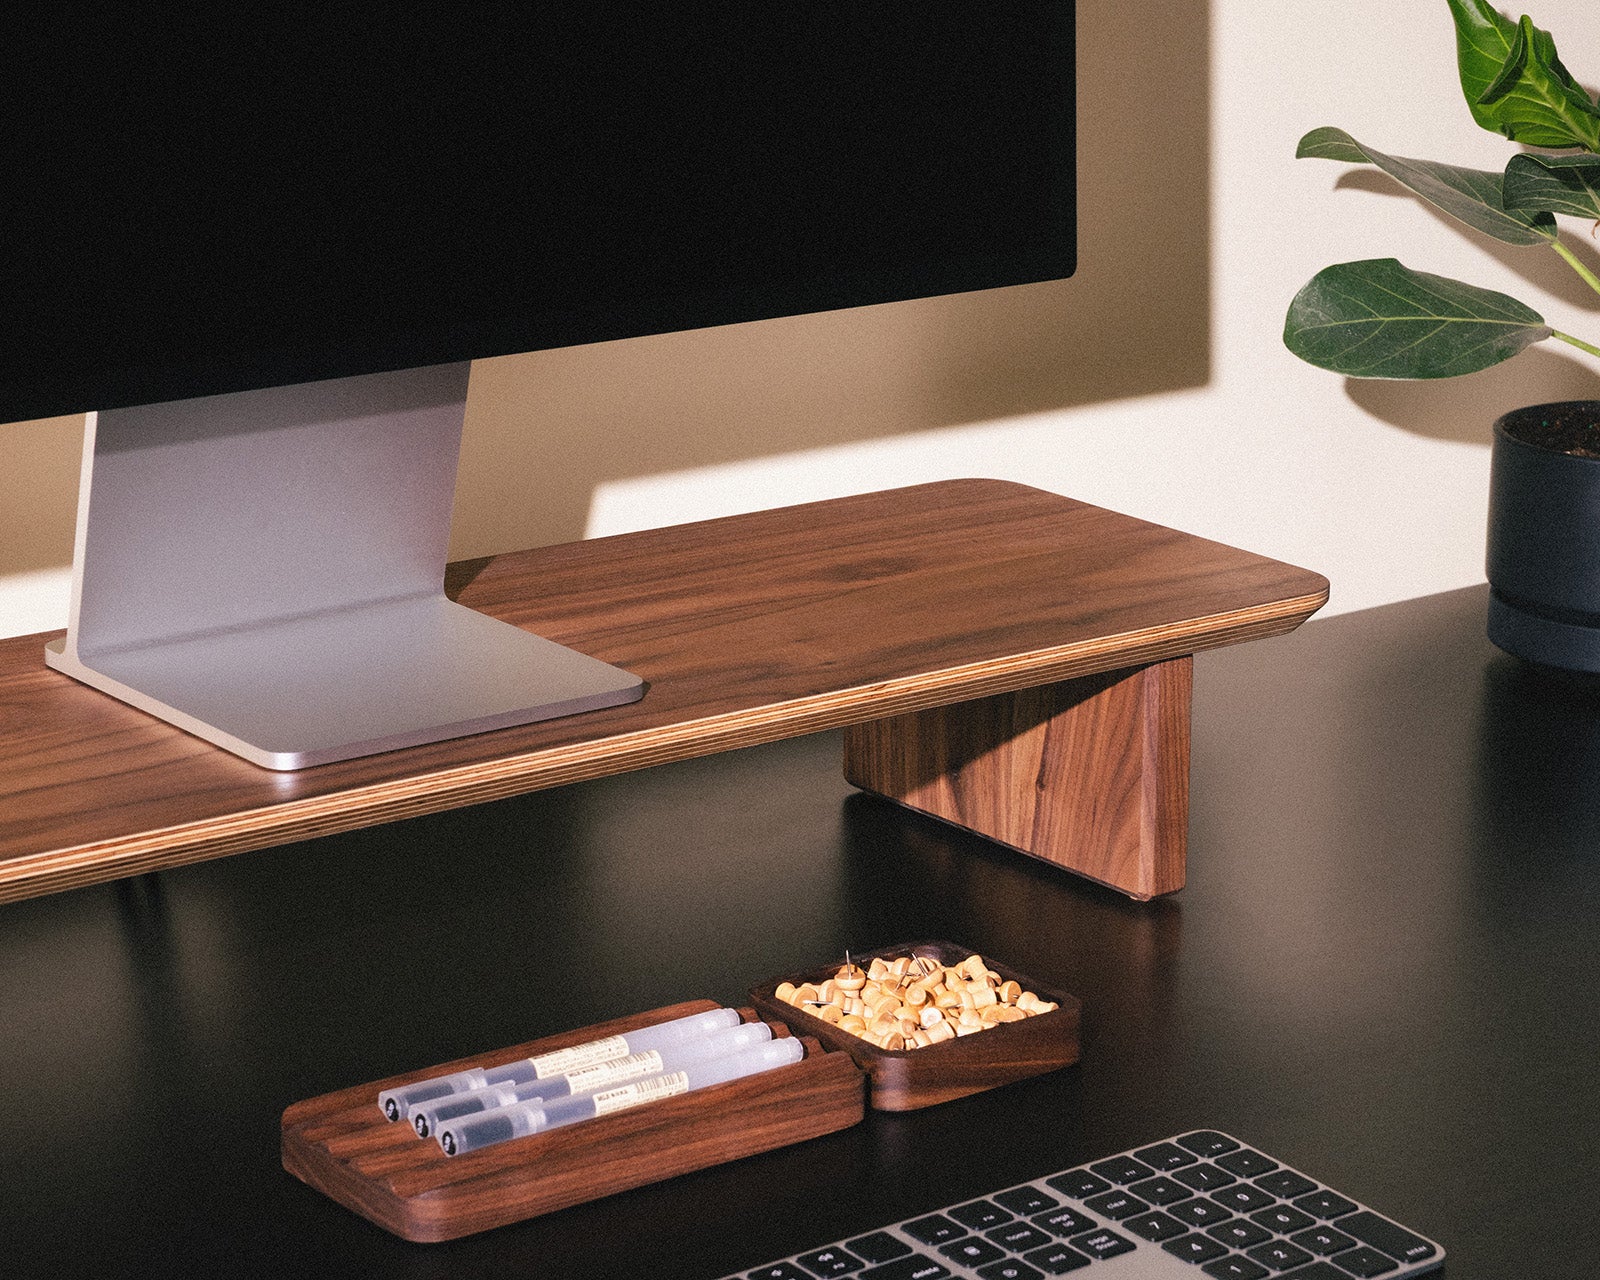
[[1379, 319]]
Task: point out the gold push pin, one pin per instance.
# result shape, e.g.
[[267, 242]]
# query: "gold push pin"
[[850, 979]]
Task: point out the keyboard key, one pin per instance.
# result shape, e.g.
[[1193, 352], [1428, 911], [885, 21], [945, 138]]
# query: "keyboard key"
[[1155, 1226], [1324, 1204], [831, 1262], [972, 1251], [1102, 1244], [1056, 1259], [1195, 1247], [916, 1266], [878, 1246], [1019, 1237], [1242, 1198], [1010, 1269], [1116, 1204], [1164, 1157], [1079, 1184], [1280, 1255], [1234, 1268], [1282, 1218], [1238, 1233], [1199, 1213], [1123, 1169], [1286, 1184], [1205, 1177], [1064, 1221], [1322, 1240], [1207, 1143], [1366, 1261], [1026, 1201], [980, 1215], [1380, 1233], [1247, 1163], [935, 1229], [1160, 1190], [1229, 1210]]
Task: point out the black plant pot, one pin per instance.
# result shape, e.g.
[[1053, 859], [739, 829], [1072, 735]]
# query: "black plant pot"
[[1544, 542]]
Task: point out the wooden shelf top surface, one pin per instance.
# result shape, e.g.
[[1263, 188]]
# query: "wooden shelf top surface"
[[747, 629]]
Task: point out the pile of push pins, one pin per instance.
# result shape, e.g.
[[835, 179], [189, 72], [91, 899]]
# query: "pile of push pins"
[[913, 1001]]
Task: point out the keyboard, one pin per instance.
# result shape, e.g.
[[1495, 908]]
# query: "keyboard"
[[1201, 1204]]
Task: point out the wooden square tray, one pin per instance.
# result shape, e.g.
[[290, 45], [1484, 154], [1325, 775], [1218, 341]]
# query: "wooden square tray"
[[340, 1143], [905, 1079]]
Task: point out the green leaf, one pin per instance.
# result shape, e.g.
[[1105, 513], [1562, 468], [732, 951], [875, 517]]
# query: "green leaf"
[[1561, 184], [1475, 196], [1379, 319], [1515, 84], [1515, 64]]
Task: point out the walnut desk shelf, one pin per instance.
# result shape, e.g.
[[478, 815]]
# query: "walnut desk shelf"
[[1000, 657]]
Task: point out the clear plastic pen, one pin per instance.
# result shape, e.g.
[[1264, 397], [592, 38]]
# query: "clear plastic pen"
[[428, 1116], [396, 1104], [522, 1118]]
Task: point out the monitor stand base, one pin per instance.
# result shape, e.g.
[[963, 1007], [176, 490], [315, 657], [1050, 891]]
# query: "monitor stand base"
[[315, 521], [333, 687]]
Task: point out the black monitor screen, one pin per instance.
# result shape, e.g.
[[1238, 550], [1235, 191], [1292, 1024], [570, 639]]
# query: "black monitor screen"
[[197, 209]]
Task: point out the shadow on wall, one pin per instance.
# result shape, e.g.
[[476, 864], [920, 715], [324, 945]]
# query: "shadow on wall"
[[1464, 409], [544, 430], [38, 494], [1537, 265]]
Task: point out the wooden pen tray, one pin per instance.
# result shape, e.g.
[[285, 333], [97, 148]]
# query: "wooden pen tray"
[[341, 1144], [906, 1079]]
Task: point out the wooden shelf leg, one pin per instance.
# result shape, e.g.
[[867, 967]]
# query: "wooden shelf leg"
[[1091, 774]]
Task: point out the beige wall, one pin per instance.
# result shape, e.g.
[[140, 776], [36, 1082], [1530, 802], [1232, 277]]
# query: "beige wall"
[[1154, 381], [38, 493]]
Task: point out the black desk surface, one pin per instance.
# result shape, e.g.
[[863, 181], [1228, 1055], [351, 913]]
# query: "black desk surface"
[[1385, 969]]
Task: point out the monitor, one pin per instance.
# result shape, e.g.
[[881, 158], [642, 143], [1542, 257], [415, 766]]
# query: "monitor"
[[261, 257]]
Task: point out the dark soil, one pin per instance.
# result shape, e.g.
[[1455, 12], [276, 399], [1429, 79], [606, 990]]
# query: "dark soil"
[[1565, 428]]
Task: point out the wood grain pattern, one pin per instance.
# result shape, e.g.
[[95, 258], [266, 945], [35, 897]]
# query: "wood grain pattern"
[[340, 1143], [748, 629], [1091, 774], [909, 1079]]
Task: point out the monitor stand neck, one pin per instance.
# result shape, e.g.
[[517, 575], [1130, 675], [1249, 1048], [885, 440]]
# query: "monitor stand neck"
[[265, 570]]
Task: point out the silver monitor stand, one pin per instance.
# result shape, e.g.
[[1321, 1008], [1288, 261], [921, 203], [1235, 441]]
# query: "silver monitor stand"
[[266, 570]]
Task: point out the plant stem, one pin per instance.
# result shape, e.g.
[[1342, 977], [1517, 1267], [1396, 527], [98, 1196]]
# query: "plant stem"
[[1577, 342], [1572, 261]]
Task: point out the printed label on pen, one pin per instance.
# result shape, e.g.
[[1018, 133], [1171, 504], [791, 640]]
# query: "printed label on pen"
[[580, 1055], [585, 1079], [640, 1091]]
